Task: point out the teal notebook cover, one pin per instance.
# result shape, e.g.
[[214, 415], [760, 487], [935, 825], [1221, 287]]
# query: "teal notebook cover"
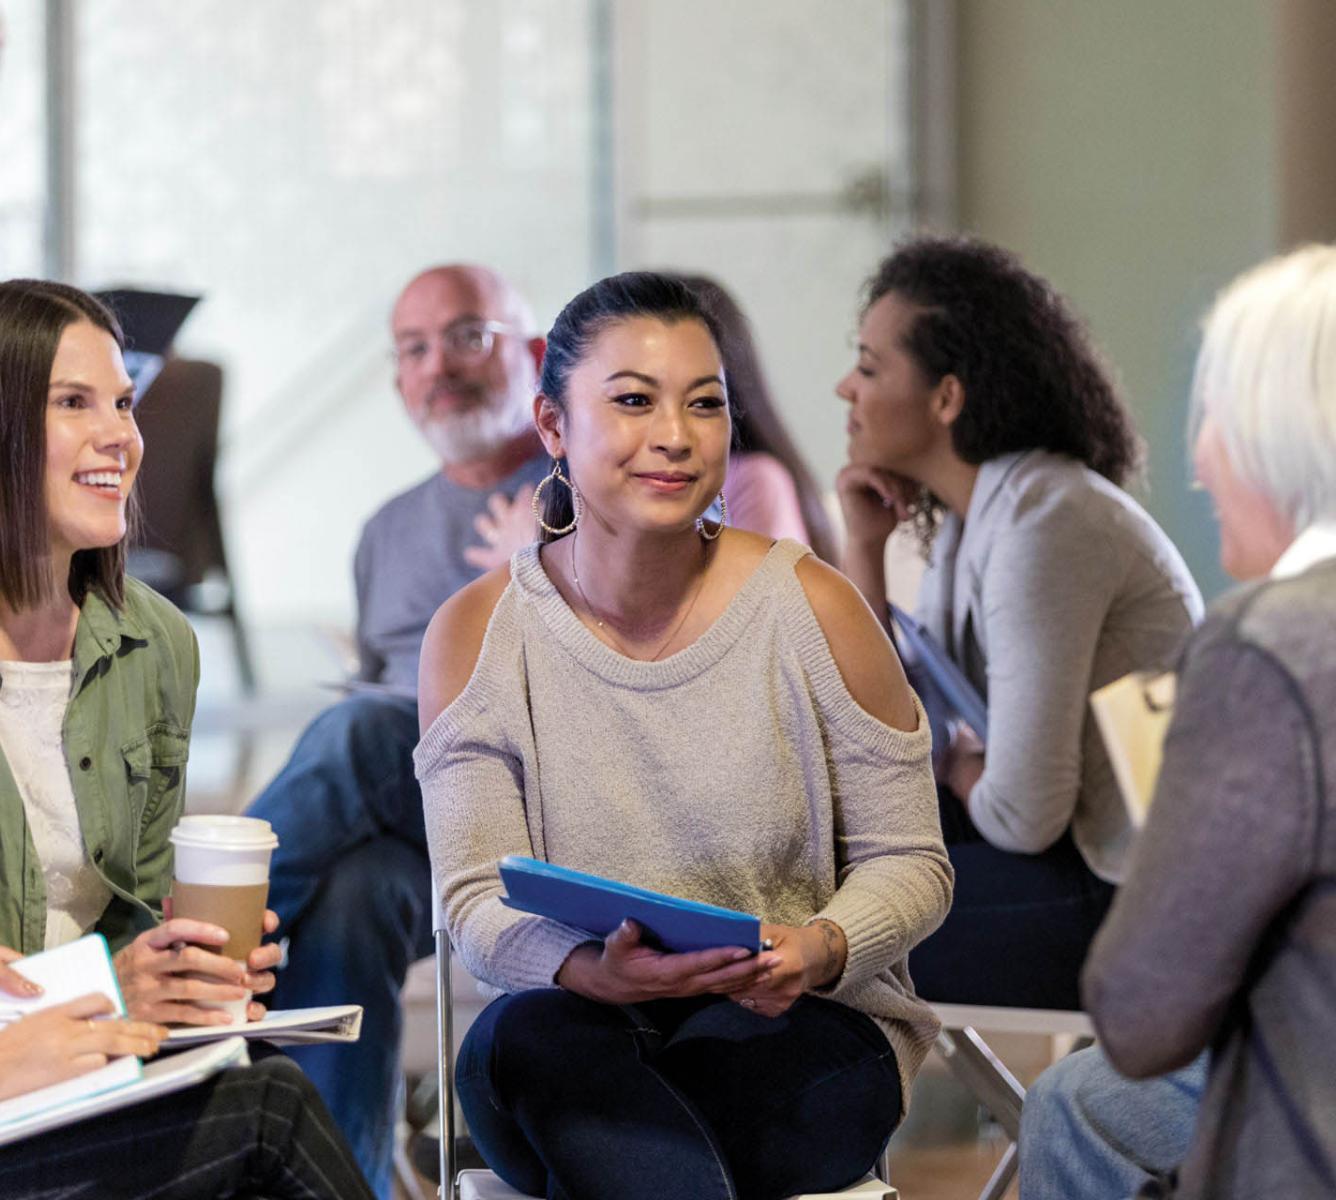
[[597, 906]]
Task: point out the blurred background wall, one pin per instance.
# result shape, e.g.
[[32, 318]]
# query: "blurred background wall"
[[295, 161]]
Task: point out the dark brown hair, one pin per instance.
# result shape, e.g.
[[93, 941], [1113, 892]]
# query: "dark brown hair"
[[1031, 376], [756, 422], [33, 315]]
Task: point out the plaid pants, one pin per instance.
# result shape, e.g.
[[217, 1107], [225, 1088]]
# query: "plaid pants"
[[250, 1132]]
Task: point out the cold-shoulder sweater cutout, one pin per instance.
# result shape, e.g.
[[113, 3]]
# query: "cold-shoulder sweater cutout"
[[739, 771]]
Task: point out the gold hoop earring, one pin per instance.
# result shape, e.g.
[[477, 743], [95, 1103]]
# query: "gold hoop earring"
[[577, 501], [719, 528]]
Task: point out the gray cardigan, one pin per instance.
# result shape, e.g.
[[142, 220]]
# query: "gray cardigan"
[[1224, 934], [739, 771], [1057, 583]]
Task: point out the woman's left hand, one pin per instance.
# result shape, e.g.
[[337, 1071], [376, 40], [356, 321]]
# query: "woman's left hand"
[[964, 762], [810, 956]]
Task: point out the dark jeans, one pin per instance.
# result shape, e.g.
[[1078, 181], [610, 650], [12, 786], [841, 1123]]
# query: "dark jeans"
[[351, 882], [1019, 926], [251, 1132], [676, 1099]]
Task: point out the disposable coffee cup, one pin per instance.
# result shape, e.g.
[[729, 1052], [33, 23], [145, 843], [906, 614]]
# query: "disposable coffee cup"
[[222, 877]]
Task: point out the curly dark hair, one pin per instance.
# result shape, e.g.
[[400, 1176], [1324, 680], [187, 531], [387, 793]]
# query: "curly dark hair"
[[1031, 376]]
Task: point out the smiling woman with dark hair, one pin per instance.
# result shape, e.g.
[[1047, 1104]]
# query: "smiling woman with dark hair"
[[979, 410], [97, 692]]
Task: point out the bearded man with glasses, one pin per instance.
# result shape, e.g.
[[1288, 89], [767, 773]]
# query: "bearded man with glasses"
[[351, 880]]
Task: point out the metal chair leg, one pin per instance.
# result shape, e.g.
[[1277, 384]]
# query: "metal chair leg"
[[1002, 1176], [445, 1067], [986, 1076]]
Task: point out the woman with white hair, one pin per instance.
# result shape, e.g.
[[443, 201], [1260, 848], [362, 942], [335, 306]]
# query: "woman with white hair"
[[1224, 933]]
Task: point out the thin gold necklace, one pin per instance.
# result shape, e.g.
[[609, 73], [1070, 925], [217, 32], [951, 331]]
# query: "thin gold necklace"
[[579, 587]]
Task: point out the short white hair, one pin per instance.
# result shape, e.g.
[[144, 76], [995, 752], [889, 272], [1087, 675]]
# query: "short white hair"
[[1266, 377]]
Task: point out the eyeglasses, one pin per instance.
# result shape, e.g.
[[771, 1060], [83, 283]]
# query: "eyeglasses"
[[467, 341]]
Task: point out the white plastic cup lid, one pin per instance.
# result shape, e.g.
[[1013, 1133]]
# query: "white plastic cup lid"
[[224, 833]]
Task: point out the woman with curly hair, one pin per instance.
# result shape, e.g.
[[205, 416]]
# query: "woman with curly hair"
[[979, 411]]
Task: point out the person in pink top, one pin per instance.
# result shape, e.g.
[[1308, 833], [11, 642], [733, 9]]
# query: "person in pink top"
[[769, 489]]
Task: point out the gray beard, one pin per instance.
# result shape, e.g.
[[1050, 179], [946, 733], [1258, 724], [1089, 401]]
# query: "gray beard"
[[479, 433]]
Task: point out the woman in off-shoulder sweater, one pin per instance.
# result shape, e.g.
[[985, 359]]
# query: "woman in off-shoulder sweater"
[[696, 710]]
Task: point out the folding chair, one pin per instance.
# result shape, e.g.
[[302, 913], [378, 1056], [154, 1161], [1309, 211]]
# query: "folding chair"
[[485, 1185], [973, 1062]]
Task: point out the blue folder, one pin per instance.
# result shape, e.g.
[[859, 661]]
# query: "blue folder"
[[960, 695], [599, 905]]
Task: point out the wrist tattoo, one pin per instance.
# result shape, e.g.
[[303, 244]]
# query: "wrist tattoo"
[[831, 937]]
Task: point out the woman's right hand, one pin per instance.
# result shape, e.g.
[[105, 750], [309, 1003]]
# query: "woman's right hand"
[[165, 971], [874, 502], [624, 970], [63, 1041]]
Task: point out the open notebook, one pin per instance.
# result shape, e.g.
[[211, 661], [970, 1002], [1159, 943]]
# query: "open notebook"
[[161, 1077], [66, 973]]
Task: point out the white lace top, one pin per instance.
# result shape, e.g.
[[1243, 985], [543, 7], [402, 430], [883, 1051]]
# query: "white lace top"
[[33, 700]]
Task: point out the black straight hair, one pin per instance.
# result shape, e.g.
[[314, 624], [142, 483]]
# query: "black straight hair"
[[34, 313], [617, 298]]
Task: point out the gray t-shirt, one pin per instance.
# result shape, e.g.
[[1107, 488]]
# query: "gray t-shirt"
[[410, 560]]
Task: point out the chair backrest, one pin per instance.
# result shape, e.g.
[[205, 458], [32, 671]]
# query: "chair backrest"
[[179, 416]]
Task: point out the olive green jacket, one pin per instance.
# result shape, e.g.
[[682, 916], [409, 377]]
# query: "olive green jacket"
[[127, 737]]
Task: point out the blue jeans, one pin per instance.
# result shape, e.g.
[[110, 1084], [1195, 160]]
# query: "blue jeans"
[[1088, 1131], [677, 1099], [1019, 926], [351, 883]]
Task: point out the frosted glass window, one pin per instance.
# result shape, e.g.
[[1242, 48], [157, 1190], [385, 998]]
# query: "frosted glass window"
[[22, 138], [295, 162]]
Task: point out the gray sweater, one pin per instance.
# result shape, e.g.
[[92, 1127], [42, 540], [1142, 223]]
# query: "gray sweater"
[[1224, 934], [739, 771], [1057, 583]]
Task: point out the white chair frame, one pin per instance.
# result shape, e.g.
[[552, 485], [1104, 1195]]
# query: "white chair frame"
[[973, 1062]]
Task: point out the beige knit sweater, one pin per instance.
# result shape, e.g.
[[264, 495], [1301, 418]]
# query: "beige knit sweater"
[[739, 771]]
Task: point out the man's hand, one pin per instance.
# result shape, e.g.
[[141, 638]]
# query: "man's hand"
[[623, 970], [505, 527], [63, 1041]]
